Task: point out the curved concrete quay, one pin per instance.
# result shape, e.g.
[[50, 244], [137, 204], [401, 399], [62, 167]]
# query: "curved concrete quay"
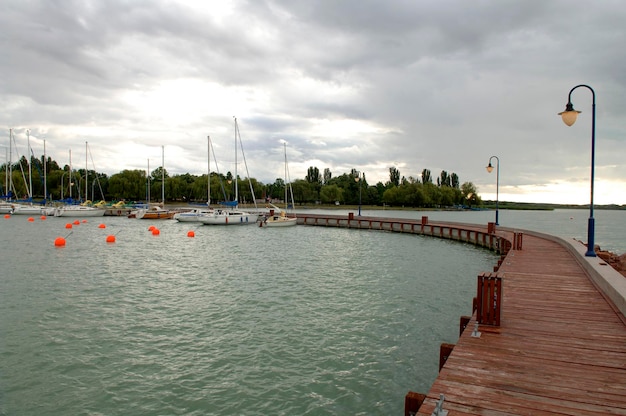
[[548, 331]]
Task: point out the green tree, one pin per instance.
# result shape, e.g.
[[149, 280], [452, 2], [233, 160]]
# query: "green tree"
[[454, 181], [470, 194], [304, 191], [327, 176], [277, 189], [331, 193], [432, 194], [448, 196], [157, 175], [313, 176], [315, 180], [128, 185], [394, 176], [444, 179]]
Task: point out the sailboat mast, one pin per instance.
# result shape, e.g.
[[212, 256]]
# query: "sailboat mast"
[[208, 172], [11, 161], [70, 180], [6, 173], [45, 175], [236, 130], [163, 175], [148, 178], [30, 168], [286, 197], [86, 175]]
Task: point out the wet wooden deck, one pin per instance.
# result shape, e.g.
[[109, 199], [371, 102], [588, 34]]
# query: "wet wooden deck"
[[560, 348]]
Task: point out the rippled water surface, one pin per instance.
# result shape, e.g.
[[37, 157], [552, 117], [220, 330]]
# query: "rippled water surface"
[[236, 320]]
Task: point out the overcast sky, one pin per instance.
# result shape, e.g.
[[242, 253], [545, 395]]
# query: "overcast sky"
[[369, 85]]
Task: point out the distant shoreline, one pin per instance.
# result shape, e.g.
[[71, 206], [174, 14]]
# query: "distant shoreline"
[[488, 206]]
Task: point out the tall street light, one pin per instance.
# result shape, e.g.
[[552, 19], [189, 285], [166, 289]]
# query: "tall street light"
[[358, 180], [490, 169], [569, 118]]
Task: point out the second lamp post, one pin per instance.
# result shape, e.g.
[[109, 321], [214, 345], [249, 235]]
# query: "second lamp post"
[[358, 180], [489, 169]]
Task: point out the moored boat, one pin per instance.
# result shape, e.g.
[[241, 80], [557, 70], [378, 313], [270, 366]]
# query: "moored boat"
[[30, 209], [232, 215], [192, 215], [228, 217], [78, 211], [154, 212], [6, 208], [278, 218]]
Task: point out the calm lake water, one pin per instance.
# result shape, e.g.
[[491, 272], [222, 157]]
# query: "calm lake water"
[[237, 320]]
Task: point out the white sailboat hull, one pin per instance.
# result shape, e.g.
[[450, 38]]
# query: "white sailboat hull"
[[194, 215], [223, 217], [279, 218], [78, 211], [278, 221], [21, 209], [6, 208]]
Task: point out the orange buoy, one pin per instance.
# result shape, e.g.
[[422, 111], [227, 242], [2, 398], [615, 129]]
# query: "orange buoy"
[[68, 225], [191, 234], [84, 221], [7, 216], [110, 239], [43, 218], [152, 227], [155, 231], [102, 226], [31, 219], [76, 222], [59, 242]]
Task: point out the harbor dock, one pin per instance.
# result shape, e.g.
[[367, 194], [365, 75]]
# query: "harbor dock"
[[547, 334]]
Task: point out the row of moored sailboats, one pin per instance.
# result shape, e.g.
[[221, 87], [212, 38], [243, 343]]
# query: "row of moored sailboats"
[[227, 214], [29, 208]]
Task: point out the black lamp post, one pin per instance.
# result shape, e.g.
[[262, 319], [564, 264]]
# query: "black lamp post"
[[569, 118], [490, 169], [358, 179]]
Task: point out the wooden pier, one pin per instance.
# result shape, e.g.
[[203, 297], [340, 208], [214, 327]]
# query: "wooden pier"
[[548, 332]]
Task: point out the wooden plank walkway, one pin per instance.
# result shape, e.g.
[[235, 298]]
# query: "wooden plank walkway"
[[560, 348]]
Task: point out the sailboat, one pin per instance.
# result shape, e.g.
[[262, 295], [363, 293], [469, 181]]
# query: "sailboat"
[[279, 218], [5, 206], [83, 210], [29, 208], [233, 215], [194, 214], [155, 212]]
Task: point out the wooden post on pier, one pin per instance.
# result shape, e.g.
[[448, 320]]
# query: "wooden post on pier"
[[444, 352], [517, 240], [489, 299], [412, 402], [463, 322]]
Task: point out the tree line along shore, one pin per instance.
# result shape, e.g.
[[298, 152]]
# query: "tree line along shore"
[[317, 188]]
